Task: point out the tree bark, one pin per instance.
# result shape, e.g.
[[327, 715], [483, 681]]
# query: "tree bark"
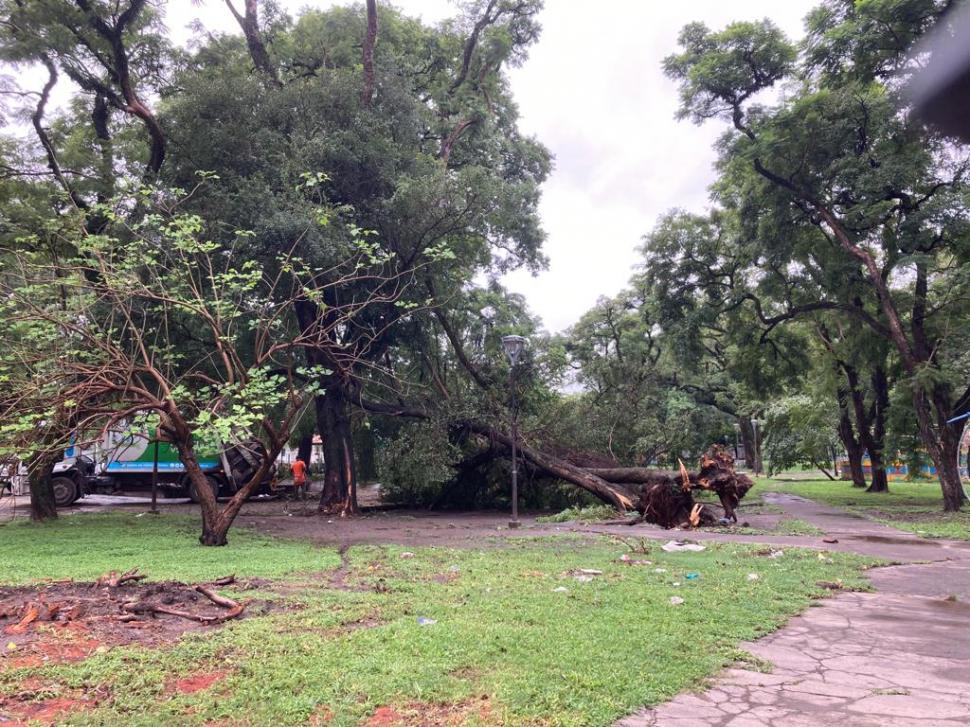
[[304, 449], [339, 495], [42, 505], [249, 24], [747, 442], [880, 391], [853, 449]]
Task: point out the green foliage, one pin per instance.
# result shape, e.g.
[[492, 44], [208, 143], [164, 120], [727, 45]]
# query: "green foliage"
[[414, 466], [801, 430], [591, 514]]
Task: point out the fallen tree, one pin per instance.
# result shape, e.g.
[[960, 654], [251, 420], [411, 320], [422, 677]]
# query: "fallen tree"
[[661, 497]]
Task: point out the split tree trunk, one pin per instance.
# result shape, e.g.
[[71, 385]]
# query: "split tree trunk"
[[215, 521], [853, 448], [339, 495]]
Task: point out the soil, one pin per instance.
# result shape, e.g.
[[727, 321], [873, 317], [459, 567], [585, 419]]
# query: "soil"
[[197, 682], [423, 714], [67, 621]]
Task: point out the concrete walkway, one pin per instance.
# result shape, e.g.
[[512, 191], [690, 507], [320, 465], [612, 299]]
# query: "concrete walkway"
[[898, 657]]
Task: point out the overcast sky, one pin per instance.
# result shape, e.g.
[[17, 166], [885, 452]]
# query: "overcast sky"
[[593, 92]]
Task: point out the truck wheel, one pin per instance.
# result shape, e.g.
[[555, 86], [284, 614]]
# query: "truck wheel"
[[65, 491], [213, 485]]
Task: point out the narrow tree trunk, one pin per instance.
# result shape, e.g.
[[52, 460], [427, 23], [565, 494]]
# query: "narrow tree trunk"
[[367, 55], [42, 505]]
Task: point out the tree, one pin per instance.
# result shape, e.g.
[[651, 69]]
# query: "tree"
[[835, 177], [801, 431], [426, 153], [155, 325]]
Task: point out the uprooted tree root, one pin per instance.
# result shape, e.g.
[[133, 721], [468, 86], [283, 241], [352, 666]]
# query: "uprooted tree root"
[[66, 621]]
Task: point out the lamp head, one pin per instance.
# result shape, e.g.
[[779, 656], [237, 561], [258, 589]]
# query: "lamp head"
[[513, 347]]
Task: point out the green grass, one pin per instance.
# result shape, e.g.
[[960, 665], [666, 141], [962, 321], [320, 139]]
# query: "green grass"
[[916, 507], [794, 526], [165, 547], [586, 656]]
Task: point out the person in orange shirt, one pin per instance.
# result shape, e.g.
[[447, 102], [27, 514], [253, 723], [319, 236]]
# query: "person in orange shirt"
[[299, 482]]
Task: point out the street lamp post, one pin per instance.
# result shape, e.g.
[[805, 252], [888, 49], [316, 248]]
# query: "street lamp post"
[[514, 346]]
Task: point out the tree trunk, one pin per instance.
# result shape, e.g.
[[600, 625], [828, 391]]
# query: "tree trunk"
[[304, 449], [616, 495], [853, 449], [747, 443], [339, 495], [880, 390], [42, 505], [942, 443], [367, 55]]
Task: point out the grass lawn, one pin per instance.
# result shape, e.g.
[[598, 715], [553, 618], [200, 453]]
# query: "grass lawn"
[[913, 506], [507, 645]]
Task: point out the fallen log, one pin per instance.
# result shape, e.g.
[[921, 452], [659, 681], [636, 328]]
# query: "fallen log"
[[662, 497], [667, 497], [113, 580], [613, 494]]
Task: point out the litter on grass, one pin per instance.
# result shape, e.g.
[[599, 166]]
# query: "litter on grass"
[[678, 546]]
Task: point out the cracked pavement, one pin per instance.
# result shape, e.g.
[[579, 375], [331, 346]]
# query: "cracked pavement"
[[897, 657]]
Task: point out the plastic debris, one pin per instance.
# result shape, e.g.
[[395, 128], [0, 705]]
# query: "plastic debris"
[[583, 579], [676, 584], [560, 589], [11, 646], [776, 554], [422, 621], [692, 576], [454, 569], [676, 600], [753, 576], [589, 572], [677, 546], [407, 554], [659, 570]]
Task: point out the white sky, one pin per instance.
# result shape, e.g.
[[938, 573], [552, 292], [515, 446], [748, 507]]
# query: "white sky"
[[593, 92]]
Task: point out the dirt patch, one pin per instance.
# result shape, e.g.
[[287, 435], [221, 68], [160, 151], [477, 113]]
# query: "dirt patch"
[[23, 710], [423, 714], [66, 621], [197, 682]]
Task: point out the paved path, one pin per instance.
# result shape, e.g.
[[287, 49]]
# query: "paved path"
[[898, 657]]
